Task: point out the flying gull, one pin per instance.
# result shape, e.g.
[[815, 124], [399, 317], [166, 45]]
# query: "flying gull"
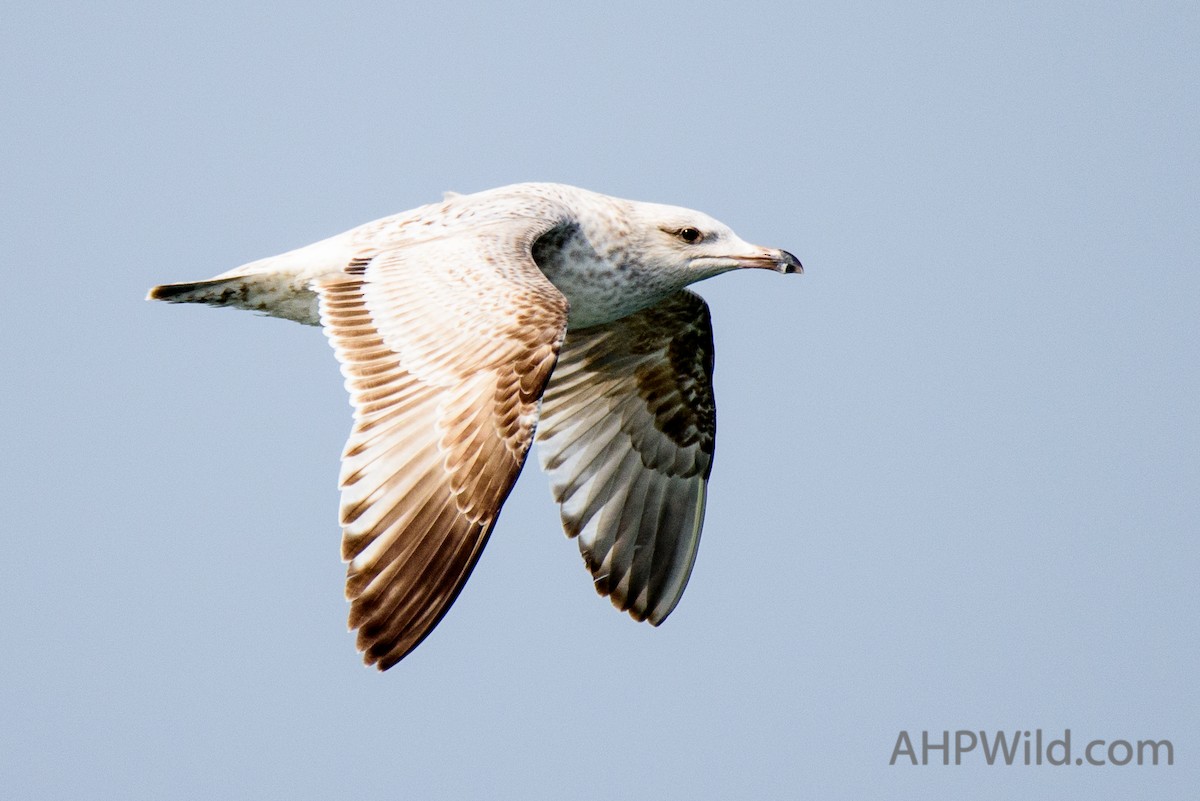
[[457, 325]]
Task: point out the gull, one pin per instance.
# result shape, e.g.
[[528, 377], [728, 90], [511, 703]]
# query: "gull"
[[458, 325]]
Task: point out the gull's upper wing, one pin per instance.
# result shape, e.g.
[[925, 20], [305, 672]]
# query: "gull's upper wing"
[[446, 345], [626, 436]]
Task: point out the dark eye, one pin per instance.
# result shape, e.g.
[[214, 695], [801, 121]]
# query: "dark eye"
[[690, 235]]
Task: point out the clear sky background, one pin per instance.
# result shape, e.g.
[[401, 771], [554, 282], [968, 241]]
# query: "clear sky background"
[[957, 482]]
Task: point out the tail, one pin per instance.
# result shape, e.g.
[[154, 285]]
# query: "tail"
[[278, 286], [284, 296], [214, 292]]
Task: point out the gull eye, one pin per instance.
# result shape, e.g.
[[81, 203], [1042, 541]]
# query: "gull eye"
[[690, 235]]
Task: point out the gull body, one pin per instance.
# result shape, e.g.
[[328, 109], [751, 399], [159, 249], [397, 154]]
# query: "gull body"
[[449, 321]]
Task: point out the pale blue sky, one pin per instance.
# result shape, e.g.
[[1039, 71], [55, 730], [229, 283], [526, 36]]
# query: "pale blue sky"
[[958, 461]]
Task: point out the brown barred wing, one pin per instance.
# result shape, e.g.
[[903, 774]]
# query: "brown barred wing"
[[446, 347]]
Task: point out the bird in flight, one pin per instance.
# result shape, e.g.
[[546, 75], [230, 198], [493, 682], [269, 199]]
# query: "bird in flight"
[[462, 327]]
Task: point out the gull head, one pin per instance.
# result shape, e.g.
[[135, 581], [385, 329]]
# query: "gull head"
[[692, 244]]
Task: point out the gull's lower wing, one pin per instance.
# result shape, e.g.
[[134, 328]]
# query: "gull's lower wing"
[[626, 436]]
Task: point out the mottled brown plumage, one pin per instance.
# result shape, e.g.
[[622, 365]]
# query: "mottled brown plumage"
[[448, 321], [444, 416]]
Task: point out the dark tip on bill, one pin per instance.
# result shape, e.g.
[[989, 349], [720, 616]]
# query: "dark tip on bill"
[[789, 263]]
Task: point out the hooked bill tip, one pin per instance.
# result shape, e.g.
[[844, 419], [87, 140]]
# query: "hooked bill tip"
[[789, 263]]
